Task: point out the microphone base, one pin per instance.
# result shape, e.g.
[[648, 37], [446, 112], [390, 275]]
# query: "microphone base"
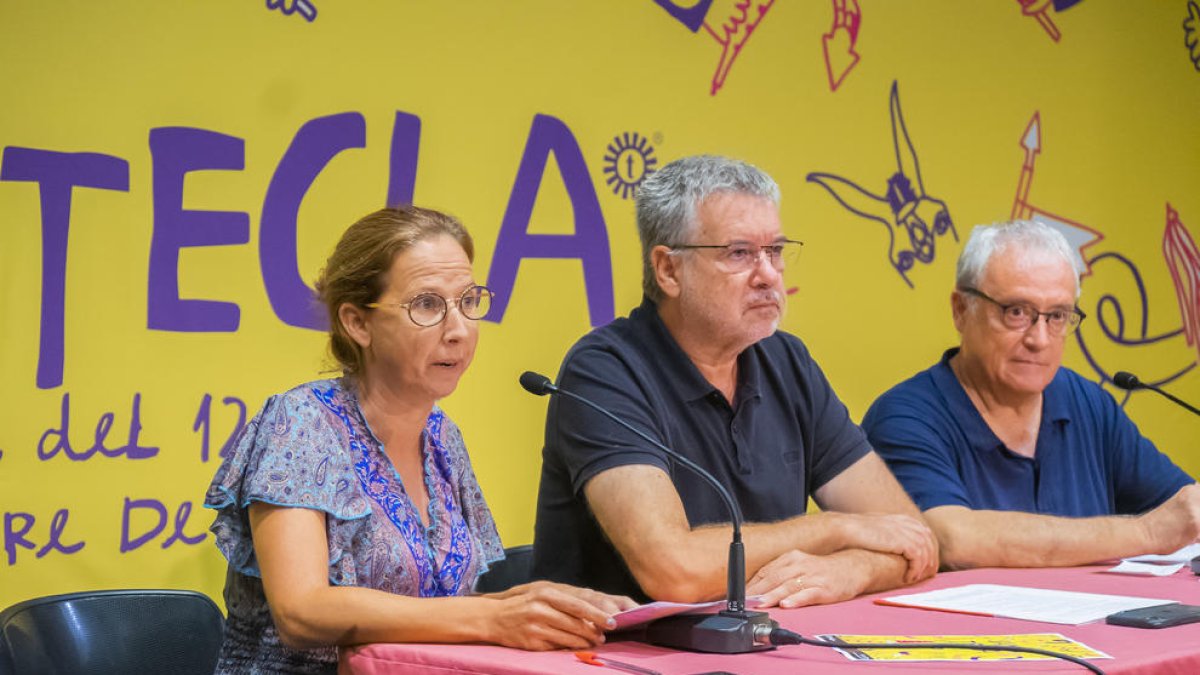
[[723, 633]]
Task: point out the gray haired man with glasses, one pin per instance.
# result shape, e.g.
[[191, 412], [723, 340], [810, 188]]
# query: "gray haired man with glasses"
[[701, 367], [1015, 460]]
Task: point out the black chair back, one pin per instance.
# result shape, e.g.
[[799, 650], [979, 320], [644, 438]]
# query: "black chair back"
[[515, 569], [103, 632]]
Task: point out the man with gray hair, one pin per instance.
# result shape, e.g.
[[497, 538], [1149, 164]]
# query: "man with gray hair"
[[700, 367], [1015, 460]]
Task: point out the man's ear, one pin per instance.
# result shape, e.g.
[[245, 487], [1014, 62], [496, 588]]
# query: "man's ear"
[[666, 270], [354, 321], [958, 309]]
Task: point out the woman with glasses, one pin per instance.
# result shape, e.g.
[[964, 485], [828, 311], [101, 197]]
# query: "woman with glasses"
[[348, 510]]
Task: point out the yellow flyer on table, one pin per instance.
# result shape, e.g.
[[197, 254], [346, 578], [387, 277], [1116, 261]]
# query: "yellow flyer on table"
[[1053, 642]]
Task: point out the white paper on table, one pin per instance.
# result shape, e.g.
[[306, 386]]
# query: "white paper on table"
[[1151, 569], [1181, 556], [657, 610], [1031, 604]]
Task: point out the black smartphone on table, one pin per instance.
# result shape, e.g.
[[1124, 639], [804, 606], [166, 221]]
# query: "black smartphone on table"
[[1158, 616]]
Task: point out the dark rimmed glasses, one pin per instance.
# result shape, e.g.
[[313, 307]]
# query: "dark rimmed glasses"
[[430, 309], [743, 256], [1021, 315]]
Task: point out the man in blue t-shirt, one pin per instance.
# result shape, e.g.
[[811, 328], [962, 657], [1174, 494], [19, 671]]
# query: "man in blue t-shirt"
[[1015, 460], [701, 368]]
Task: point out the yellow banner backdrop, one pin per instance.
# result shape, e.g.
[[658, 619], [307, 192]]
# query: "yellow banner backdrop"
[[174, 174]]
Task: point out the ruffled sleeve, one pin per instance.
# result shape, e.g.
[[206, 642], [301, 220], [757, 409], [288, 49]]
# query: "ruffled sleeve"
[[475, 511], [294, 452]]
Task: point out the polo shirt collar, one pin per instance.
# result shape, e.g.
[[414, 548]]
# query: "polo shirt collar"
[[1055, 404], [685, 377], [979, 434]]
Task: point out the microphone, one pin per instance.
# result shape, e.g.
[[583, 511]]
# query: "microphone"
[[1130, 382], [540, 385], [733, 630]]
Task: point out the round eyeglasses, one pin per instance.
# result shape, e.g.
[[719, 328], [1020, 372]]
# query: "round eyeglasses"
[[741, 256], [430, 309], [1020, 315]]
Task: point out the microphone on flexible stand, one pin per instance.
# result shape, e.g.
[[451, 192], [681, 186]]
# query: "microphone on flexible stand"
[[1130, 382], [733, 630]]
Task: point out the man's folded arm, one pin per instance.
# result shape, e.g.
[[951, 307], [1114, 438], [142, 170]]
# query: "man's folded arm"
[[639, 510], [979, 538], [889, 522]]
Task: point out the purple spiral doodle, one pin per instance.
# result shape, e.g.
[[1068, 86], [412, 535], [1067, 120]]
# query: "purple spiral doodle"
[[1117, 334]]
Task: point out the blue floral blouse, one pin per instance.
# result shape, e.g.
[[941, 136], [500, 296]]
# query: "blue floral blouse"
[[311, 448]]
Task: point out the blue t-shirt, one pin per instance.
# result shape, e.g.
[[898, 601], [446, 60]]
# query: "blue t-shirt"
[[1090, 459], [785, 435]]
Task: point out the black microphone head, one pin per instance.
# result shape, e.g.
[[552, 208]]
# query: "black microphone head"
[[1126, 380], [536, 383]]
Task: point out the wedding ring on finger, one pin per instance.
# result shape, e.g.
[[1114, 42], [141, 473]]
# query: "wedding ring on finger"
[[797, 584]]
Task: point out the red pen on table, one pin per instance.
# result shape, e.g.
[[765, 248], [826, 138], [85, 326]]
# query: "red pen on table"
[[593, 659]]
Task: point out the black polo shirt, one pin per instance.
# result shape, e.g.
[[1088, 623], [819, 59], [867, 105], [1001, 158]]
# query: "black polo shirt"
[[786, 435]]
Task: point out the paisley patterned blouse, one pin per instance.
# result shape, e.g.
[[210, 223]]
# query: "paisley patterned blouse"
[[311, 448]]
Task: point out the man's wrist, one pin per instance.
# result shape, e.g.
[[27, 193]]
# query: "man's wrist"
[[866, 567], [1144, 531], [843, 533]]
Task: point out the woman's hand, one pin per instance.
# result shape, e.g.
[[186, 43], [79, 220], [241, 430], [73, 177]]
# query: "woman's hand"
[[543, 615]]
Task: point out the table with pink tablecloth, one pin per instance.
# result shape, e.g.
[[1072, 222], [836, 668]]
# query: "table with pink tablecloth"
[[1134, 651]]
